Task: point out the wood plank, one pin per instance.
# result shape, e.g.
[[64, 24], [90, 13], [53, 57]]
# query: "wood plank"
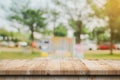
[[60, 77], [59, 67], [14, 67], [3, 64], [66, 67], [53, 67], [113, 63], [110, 69], [38, 67], [79, 67], [97, 67]]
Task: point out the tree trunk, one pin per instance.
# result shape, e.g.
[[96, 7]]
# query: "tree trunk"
[[77, 37], [111, 39], [78, 33], [3, 38], [111, 34], [54, 29], [32, 33], [32, 38]]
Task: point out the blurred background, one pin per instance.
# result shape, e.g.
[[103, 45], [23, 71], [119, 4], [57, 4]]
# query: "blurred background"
[[94, 23]]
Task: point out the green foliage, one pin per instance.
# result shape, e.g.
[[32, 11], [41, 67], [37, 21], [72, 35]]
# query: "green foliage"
[[3, 32], [15, 36], [60, 31], [54, 15], [91, 35], [46, 32], [112, 10], [117, 34], [102, 38], [98, 11], [74, 26], [30, 17], [83, 31], [100, 34], [73, 23]]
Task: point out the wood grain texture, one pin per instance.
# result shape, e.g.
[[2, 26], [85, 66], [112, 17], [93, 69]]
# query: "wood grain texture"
[[97, 67], [59, 67], [53, 67], [59, 77]]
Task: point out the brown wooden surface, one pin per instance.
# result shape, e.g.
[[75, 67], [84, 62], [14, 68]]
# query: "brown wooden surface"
[[59, 77], [59, 67]]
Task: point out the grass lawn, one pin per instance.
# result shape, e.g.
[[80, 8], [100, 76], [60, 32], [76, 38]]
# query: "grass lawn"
[[102, 55], [18, 55], [88, 55]]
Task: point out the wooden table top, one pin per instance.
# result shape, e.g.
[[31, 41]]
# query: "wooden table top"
[[40, 66]]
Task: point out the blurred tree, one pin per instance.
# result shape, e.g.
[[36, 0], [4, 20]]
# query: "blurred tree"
[[98, 7], [9, 35], [77, 26], [117, 35], [84, 29], [33, 18], [60, 31], [46, 32], [112, 10], [4, 33], [98, 12], [54, 14], [77, 16], [100, 34]]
